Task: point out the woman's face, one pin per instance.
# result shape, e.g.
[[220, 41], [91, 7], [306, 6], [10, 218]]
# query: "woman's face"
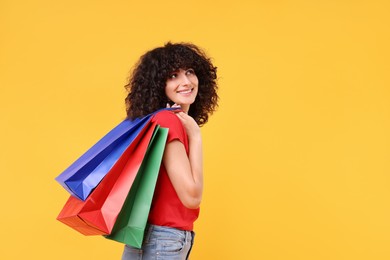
[[182, 87]]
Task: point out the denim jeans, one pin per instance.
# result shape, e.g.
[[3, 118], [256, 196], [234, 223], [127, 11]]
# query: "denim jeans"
[[162, 243]]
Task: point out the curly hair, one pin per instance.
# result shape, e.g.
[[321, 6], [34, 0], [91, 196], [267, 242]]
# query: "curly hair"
[[147, 82]]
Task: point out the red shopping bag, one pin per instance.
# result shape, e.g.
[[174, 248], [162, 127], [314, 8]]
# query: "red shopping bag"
[[98, 213]]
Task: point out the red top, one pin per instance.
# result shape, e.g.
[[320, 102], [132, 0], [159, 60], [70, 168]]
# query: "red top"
[[167, 209]]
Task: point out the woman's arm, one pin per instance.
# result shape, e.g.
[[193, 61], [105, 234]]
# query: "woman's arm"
[[186, 173]]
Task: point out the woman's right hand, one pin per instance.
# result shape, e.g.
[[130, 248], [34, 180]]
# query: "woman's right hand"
[[192, 128], [190, 125], [173, 106]]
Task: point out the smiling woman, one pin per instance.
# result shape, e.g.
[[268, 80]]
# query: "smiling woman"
[[177, 75]]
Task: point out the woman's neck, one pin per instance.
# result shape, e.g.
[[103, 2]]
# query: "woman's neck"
[[185, 108]]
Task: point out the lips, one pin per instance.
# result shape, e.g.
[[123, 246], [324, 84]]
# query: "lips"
[[186, 91]]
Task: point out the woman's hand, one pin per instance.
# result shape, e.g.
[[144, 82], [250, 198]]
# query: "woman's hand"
[[192, 128], [173, 106], [190, 125]]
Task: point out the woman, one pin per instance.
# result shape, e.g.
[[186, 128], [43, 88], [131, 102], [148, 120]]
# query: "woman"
[[182, 76]]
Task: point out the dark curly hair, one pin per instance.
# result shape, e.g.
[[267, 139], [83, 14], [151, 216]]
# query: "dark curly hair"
[[147, 82]]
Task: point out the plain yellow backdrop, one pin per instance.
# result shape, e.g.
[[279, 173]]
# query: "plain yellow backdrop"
[[297, 157]]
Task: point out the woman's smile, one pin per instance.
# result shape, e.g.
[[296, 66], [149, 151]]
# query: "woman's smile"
[[186, 91]]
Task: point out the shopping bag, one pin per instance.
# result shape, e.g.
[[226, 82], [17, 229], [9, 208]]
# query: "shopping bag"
[[97, 214], [131, 222], [80, 178]]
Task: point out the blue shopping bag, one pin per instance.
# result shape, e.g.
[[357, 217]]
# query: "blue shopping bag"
[[81, 177]]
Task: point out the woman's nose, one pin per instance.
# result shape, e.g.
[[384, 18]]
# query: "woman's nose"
[[185, 80]]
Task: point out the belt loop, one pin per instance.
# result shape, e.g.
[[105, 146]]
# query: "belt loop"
[[187, 236], [190, 236]]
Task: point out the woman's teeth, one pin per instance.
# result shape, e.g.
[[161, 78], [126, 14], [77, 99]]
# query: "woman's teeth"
[[185, 91]]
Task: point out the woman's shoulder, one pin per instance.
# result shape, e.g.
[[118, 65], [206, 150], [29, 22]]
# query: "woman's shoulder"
[[166, 118], [169, 119]]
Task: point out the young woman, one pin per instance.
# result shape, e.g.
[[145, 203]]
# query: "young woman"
[[175, 75]]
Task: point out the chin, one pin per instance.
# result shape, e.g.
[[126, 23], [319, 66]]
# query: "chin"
[[184, 102]]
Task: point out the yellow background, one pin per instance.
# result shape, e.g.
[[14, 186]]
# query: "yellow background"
[[296, 158]]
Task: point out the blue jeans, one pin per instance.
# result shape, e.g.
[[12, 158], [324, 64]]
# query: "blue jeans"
[[162, 243]]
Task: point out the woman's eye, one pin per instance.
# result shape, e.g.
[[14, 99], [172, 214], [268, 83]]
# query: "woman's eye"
[[190, 71], [172, 76]]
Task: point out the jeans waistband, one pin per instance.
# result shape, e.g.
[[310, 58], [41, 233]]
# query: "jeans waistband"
[[189, 235]]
